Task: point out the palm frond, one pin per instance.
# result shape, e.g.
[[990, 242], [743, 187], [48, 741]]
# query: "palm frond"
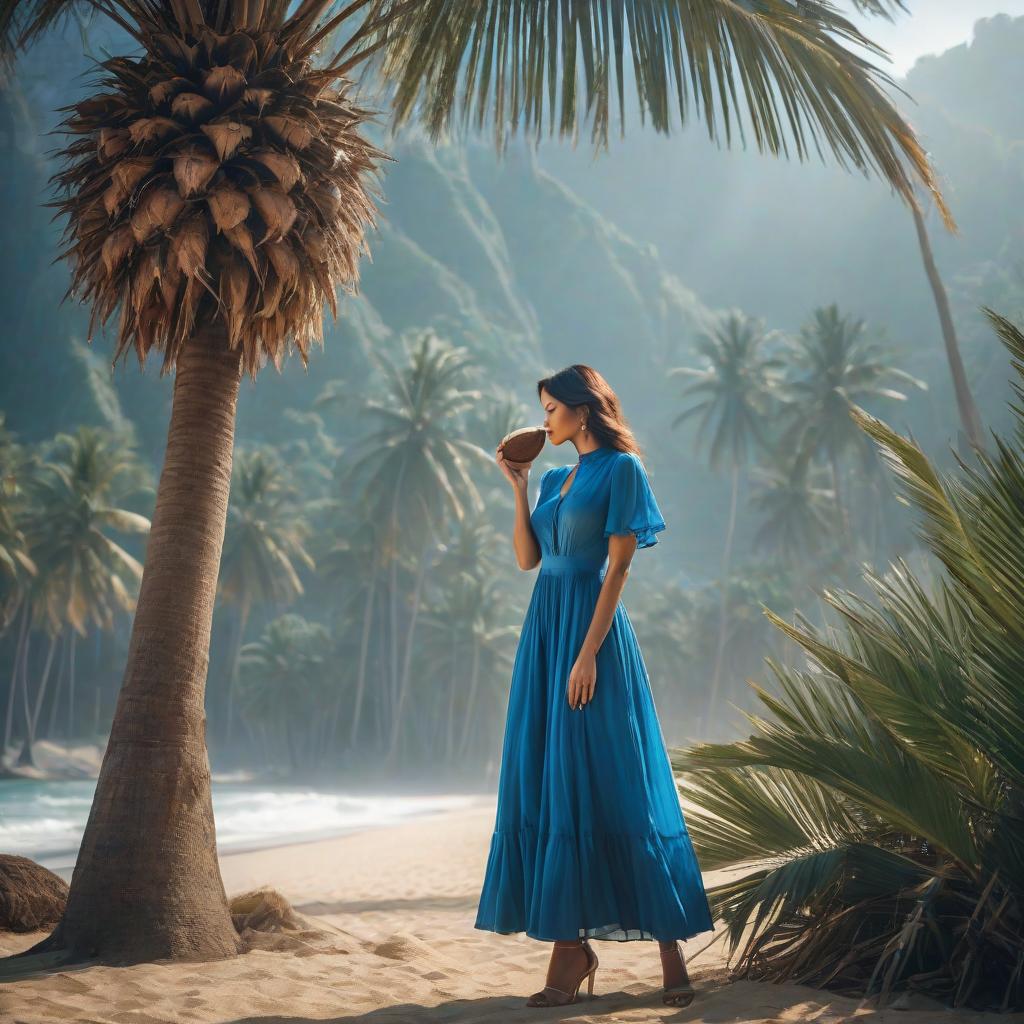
[[785, 67]]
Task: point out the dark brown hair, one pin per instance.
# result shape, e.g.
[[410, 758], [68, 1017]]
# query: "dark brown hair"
[[581, 385]]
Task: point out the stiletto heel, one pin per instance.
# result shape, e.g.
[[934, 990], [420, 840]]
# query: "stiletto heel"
[[543, 999], [678, 995]]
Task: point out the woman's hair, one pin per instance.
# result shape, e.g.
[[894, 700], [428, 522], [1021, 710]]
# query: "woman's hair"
[[581, 385]]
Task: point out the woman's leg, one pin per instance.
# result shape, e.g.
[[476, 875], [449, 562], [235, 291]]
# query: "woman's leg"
[[568, 961], [673, 967]]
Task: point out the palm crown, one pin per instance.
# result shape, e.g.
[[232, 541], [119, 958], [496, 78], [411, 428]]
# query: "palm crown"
[[220, 178]]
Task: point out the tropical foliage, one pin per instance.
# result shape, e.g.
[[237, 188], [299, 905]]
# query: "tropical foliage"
[[878, 802], [216, 191]]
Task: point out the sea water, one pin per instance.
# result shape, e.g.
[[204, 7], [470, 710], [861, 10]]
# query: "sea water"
[[44, 820]]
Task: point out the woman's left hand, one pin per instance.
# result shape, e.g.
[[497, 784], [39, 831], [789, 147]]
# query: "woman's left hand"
[[582, 680]]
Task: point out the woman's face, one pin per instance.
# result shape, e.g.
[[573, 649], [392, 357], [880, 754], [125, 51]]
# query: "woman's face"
[[561, 421]]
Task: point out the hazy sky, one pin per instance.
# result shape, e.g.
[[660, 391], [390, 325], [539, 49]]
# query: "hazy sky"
[[930, 27]]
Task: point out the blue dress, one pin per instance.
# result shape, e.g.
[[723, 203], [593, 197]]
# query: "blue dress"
[[589, 838]]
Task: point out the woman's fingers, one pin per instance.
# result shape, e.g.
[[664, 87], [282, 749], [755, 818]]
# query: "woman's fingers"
[[580, 692]]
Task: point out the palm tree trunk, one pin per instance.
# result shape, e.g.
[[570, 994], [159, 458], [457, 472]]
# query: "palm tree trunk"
[[9, 722], [364, 647], [964, 399], [71, 685], [844, 516], [51, 725], [726, 566], [396, 722], [25, 757], [474, 682], [394, 546], [243, 618], [147, 883], [32, 716], [449, 744]]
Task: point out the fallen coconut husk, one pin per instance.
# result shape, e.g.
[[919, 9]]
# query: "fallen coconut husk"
[[264, 919], [31, 897]]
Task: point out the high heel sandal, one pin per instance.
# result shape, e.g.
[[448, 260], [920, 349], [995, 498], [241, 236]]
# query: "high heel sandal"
[[560, 998], [678, 995]]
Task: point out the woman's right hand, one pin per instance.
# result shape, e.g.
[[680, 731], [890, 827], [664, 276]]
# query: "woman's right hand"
[[517, 477]]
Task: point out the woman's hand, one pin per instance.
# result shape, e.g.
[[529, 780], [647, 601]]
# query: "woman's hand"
[[582, 680], [517, 477]]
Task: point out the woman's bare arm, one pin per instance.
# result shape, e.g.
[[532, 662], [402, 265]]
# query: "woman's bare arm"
[[524, 540]]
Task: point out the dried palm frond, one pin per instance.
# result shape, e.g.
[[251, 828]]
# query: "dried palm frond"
[[197, 172]]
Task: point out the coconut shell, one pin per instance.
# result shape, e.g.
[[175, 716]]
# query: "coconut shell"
[[522, 446]]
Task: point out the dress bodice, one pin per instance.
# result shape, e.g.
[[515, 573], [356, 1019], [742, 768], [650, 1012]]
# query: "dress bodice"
[[609, 494]]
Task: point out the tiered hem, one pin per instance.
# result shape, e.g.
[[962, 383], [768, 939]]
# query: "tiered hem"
[[608, 886]]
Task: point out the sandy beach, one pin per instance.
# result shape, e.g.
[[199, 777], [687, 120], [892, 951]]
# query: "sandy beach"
[[391, 911]]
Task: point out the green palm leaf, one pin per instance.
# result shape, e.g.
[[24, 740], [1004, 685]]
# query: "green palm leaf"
[[784, 67]]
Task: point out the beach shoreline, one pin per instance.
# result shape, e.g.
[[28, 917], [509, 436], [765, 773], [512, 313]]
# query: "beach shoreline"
[[391, 938]]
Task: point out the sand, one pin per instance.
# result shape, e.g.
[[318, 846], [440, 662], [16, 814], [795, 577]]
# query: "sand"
[[391, 911]]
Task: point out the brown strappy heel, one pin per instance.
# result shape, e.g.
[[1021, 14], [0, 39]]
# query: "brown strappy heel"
[[678, 995], [560, 998]]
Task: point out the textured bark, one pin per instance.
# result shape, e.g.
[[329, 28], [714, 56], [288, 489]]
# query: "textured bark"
[[147, 883]]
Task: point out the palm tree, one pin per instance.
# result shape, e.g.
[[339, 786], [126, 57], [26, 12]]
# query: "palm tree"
[[413, 472], [969, 417], [466, 628], [732, 394], [350, 563], [16, 565], [882, 789], [217, 193], [84, 577], [835, 367], [263, 541], [285, 683], [793, 506]]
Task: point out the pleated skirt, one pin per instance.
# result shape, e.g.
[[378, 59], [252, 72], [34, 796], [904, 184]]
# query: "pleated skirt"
[[589, 837]]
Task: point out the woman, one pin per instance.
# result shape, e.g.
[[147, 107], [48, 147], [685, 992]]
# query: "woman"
[[589, 840]]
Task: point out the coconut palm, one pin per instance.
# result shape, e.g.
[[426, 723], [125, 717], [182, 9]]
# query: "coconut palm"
[[84, 576], [16, 565], [834, 366], [966, 406], [466, 630], [414, 472], [285, 684], [732, 396], [794, 508], [882, 789], [349, 565], [263, 544], [217, 189]]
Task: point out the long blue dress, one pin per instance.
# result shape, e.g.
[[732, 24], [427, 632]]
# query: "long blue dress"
[[589, 837]]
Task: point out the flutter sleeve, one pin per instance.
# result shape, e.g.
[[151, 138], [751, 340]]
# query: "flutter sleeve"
[[632, 507]]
